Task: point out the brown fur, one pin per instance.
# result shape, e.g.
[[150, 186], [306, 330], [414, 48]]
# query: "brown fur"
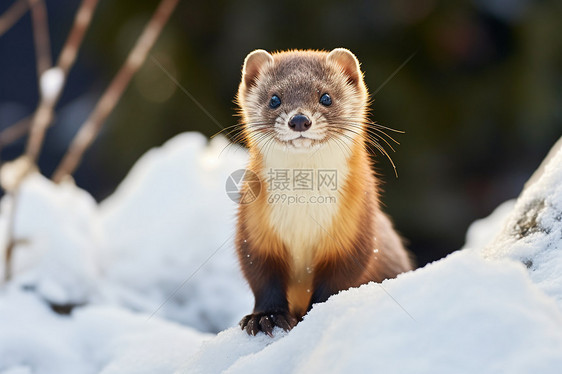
[[358, 244]]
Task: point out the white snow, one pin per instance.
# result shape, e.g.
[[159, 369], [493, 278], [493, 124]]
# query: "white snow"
[[96, 339], [58, 237], [153, 269], [144, 247], [167, 219], [51, 83], [467, 316], [152, 251]]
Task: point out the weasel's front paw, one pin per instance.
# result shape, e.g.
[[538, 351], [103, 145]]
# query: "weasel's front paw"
[[265, 322]]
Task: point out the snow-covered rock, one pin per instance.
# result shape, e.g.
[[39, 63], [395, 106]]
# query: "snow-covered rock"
[[532, 232]]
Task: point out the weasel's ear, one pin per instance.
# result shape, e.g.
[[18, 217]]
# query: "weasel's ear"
[[253, 64], [348, 62]]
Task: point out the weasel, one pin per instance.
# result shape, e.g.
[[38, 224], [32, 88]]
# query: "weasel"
[[304, 117]]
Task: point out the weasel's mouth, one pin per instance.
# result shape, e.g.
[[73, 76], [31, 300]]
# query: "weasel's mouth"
[[302, 142]]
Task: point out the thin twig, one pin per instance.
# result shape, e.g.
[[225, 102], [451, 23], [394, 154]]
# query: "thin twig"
[[13, 14], [13, 173], [41, 36], [11, 243], [15, 131], [72, 45], [92, 126], [44, 112]]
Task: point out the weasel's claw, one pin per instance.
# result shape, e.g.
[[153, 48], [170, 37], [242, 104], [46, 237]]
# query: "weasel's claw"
[[266, 322]]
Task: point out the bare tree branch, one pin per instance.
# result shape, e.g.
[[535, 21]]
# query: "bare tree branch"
[[81, 24], [49, 97], [15, 131], [92, 126], [41, 36], [13, 14], [44, 113]]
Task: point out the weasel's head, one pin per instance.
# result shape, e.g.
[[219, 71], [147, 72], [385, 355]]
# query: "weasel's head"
[[302, 99]]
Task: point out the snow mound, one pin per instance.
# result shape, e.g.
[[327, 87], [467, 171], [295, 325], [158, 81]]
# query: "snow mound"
[[461, 314], [169, 230], [161, 245], [57, 234]]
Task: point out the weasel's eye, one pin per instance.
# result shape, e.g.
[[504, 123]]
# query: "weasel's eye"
[[274, 102], [326, 100]]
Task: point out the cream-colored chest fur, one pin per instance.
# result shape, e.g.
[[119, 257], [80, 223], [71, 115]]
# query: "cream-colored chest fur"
[[302, 216]]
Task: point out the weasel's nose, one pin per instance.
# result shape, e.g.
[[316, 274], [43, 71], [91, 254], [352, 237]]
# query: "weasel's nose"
[[300, 122]]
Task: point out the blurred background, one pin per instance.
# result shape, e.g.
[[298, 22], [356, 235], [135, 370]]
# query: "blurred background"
[[480, 102]]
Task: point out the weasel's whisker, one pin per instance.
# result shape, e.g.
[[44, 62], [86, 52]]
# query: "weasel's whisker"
[[370, 129], [374, 143]]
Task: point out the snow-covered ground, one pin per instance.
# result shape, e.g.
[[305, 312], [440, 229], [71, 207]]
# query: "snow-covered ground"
[[153, 275]]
